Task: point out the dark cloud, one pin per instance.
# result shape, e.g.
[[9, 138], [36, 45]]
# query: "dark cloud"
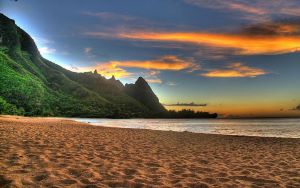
[[289, 26]]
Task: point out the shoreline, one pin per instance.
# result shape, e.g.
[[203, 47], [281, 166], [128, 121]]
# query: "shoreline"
[[47, 152], [189, 132], [183, 131], [90, 124]]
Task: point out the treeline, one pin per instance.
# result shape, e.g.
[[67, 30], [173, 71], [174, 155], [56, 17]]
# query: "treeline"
[[185, 113]]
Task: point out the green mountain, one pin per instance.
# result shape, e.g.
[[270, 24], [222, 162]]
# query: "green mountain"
[[33, 86]]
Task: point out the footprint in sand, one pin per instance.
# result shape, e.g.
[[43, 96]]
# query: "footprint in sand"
[[4, 182], [41, 177], [68, 181]]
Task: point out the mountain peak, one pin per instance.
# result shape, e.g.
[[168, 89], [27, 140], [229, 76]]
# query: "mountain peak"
[[144, 94], [15, 38], [141, 81], [113, 78]]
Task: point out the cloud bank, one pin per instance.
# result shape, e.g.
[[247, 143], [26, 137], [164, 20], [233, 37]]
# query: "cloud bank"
[[235, 70]]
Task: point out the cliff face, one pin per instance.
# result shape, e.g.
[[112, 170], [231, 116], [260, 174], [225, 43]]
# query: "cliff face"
[[32, 85]]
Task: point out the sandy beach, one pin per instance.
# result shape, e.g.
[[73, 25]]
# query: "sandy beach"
[[45, 152]]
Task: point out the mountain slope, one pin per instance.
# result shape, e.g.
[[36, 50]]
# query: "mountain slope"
[[142, 92], [32, 85]]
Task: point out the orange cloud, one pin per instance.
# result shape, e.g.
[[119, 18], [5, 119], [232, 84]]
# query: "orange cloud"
[[235, 70], [289, 28], [109, 70], [242, 43], [170, 62], [116, 68]]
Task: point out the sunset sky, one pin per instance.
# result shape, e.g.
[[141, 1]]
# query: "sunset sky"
[[238, 57]]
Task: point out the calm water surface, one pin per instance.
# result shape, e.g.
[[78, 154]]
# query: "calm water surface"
[[289, 128]]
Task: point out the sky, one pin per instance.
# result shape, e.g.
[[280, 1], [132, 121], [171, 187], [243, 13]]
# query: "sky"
[[239, 58]]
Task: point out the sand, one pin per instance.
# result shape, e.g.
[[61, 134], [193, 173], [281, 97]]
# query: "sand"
[[45, 152]]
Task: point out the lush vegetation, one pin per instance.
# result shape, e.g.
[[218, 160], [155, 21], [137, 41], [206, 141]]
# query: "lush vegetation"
[[6, 108], [33, 86]]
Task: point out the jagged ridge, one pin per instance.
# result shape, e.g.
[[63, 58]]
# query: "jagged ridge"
[[32, 85]]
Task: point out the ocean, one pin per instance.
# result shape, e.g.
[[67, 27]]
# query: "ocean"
[[286, 128]]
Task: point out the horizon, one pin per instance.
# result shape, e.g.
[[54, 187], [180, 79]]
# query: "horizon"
[[241, 62]]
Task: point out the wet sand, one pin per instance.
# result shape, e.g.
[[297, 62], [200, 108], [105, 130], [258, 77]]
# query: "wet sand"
[[45, 152]]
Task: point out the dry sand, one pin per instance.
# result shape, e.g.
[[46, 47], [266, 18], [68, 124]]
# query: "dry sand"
[[41, 152]]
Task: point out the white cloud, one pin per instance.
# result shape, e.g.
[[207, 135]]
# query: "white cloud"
[[46, 50], [87, 50], [172, 83], [42, 41]]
